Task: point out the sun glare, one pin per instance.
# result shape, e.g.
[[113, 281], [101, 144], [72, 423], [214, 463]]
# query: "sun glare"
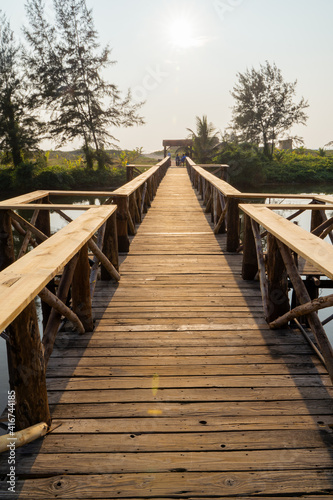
[[181, 33]]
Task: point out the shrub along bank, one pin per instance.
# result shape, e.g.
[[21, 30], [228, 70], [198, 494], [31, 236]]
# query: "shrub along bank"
[[28, 177], [249, 167]]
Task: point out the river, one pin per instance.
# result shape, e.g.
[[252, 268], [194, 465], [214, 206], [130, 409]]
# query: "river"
[[57, 223]]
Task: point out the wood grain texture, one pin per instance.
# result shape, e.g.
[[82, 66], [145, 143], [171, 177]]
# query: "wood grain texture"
[[182, 390], [20, 283]]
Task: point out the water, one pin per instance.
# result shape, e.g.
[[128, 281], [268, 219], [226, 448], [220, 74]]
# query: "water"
[[57, 222]]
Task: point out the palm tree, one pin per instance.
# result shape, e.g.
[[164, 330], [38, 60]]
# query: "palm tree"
[[205, 140]]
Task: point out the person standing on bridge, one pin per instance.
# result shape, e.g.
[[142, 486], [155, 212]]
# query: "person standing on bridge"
[[177, 160], [183, 159]]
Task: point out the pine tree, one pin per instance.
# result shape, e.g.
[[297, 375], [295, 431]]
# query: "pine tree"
[[19, 129], [66, 66]]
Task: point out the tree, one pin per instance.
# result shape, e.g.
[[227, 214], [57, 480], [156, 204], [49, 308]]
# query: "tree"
[[66, 67], [265, 108], [205, 140], [18, 127]]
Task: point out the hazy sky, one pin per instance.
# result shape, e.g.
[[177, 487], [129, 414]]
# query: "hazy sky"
[[182, 57]]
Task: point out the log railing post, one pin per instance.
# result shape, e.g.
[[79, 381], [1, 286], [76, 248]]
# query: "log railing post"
[[24, 351], [303, 297], [278, 301], [261, 267], [54, 321], [26, 369], [81, 298], [232, 225], [129, 173], [214, 207], [209, 202], [43, 223], [250, 262], [218, 206], [316, 216], [43, 220], [7, 255], [122, 226], [110, 246]]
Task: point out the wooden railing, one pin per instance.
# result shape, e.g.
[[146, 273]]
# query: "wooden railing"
[[133, 200], [218, 198], [55, 266], [66, 252], [222, 200], [276, 260], [285, 243]]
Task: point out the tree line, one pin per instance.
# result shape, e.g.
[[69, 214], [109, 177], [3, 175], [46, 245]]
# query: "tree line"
[[264, 111], [53, 87]]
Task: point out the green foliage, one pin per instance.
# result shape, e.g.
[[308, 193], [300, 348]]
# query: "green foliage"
[[128, 157], [31, 175], [19, 129], [205, 140], [299, 167], [249, 167], [66, 70], [23, 175], [264, 106], [54, 178], [6, 179], [245, 163]]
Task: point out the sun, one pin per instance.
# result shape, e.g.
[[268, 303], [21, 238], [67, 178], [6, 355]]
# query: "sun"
[[181, 33]]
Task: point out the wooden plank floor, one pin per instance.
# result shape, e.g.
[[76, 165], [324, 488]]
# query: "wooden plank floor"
[[182, 391]]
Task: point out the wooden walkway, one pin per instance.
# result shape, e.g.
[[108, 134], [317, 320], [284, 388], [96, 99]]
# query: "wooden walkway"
[[182, 391]]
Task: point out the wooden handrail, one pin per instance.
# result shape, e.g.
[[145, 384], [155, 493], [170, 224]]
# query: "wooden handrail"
[[224, 202], [27, 277], [134, 198], [65, 252], [25, 198], [208, 185], [310, 247], [280, 263], [215, 193], [223, 186]]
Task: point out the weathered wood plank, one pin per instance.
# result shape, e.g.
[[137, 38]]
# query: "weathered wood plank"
[[204, 410], [183, 485], [115, 463], [99, 383], [196, 423], [182, 391], [155, 394], [188, 441]]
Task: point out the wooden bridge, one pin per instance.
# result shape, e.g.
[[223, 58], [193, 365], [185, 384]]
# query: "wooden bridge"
[[183, 378]]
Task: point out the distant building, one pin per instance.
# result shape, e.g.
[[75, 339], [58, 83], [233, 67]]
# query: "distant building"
[[286, 144]]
